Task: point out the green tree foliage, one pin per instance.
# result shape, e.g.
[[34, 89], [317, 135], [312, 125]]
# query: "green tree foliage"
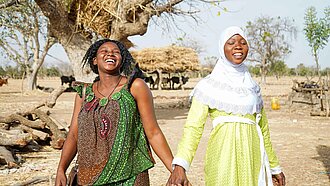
[[2, 72], [254, 70], [292, 72], [49, 72], [269, 41], [14, 72], [317, 32], [279, 69], [325, 72], [302, 70], [17, 71]]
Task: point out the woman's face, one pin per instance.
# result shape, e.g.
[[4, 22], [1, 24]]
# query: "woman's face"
[[108, 57], [236, 49]]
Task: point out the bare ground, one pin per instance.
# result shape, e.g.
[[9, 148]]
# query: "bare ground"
[[302, 142]]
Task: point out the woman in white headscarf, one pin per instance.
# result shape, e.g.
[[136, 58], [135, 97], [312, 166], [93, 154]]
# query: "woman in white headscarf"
[[239, 150]]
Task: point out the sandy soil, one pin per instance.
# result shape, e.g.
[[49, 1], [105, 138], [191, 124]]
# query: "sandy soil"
[[302, 142]]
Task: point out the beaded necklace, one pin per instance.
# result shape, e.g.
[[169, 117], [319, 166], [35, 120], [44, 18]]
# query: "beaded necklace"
[[104, 101]]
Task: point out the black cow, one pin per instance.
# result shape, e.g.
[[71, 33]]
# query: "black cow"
[[176, 80], [165, 82], [67, 79], [150, 80], [45, 89]]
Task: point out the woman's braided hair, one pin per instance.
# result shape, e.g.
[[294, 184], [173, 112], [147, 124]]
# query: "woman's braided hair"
[[128, 68]]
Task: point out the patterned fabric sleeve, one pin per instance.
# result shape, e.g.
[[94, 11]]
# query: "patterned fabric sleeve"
[[78, 87], [273, 160], [192, 134]]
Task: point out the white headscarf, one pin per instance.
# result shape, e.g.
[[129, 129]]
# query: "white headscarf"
[[229, 87]]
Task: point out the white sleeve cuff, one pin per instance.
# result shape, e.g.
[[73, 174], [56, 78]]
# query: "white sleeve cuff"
[[276, 170], [182, 162]]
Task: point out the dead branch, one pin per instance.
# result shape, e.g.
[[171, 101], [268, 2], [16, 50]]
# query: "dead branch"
[[51, 100], [6, 158], [59, 124], [14, 137], [36, 134], [22, 120], [58, 136], [33, 181]]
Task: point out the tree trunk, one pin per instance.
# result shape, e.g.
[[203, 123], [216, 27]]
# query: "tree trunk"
[[31, 80], [75, 54], [317, 65], [263, 71]]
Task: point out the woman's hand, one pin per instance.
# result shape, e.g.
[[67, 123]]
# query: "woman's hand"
[[278, 179], [178, 177], [60, 178]]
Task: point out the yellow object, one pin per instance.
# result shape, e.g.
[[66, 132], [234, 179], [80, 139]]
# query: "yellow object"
[[233, 151], [275, 102]]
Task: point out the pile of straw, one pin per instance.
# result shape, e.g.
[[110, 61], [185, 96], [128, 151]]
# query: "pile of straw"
[[171, 59], [101, 15], [98, 15]]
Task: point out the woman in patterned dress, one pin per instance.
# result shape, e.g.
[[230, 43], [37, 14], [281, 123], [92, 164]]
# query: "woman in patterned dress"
[[113, 123], [239, 151]]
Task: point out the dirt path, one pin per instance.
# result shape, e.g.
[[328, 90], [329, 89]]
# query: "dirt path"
[[302, 142]]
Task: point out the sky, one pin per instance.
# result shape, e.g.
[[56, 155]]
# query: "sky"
[[239, 13]]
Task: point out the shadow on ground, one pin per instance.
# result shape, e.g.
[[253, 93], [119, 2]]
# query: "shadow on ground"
[[171, 113], [324, 157]]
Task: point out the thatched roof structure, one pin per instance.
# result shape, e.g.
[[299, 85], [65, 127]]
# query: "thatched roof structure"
[[171, 59]]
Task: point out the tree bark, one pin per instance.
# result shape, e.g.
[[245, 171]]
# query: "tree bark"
[[14, 138], [22, 120], [75, 41], [7, 158], [36, 134], [58, 137]]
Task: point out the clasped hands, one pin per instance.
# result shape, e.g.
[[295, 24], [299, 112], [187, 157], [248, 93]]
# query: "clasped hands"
[[179, 178]]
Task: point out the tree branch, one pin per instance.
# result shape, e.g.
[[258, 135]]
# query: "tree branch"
[[168, 7], [10, 3]]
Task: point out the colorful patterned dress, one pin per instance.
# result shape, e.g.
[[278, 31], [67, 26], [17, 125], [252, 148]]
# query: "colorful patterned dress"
[[233, 155], [112, 146]]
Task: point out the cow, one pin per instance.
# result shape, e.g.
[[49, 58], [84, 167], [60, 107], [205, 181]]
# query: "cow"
[[150, 80], [176, 80], [166, 81], [3, 81], [67, 79], [45, 89]]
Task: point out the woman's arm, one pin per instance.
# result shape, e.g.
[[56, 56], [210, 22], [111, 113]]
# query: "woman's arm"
[[70, 146], [276, 171], [188, 144], [156, 138], [192, 133], [273, 160]]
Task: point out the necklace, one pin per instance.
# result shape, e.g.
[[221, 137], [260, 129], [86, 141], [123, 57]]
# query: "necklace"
[[104, 101]]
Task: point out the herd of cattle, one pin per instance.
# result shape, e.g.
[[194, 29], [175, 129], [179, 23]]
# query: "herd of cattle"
[[166, 83]]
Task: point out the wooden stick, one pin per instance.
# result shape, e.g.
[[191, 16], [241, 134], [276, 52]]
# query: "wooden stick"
[[15, 117], [58, 136], [34, 180], [14, 137]]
